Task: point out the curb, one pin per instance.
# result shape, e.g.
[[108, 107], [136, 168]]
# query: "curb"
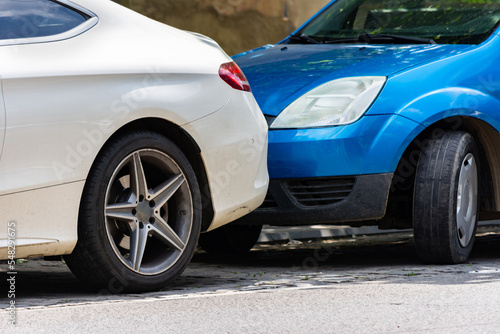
[[286, 233]]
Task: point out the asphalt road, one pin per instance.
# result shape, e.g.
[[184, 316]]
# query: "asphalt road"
[[372, 284]]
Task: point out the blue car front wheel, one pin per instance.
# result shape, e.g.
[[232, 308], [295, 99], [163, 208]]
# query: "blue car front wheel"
[[446, 198]]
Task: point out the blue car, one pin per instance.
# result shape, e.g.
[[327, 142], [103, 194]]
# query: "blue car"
[[385, 113]]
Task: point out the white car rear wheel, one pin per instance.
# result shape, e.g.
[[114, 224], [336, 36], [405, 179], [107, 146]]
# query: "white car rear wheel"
[[140, 215]]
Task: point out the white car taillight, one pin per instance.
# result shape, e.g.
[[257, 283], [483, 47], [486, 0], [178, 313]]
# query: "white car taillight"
[[234, 77]]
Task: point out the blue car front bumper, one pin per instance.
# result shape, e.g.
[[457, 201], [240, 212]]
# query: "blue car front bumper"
[[323, 200], [333, 175]]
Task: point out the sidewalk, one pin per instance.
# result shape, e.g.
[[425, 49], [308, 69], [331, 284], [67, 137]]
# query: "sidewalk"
[[284, 233]]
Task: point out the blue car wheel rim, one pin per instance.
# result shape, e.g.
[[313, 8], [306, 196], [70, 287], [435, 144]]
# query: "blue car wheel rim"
[[467, 194]]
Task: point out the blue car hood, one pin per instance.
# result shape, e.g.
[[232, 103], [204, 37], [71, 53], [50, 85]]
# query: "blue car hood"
[[279, 74]]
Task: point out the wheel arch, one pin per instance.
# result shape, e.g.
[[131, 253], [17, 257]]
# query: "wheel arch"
[[399, 207], [187, 145]]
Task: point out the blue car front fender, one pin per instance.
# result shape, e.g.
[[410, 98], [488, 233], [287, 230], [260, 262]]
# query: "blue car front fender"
[[450, 102], [372, 145]]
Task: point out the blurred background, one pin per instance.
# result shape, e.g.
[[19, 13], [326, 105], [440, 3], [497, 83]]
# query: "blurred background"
[[237, 25]]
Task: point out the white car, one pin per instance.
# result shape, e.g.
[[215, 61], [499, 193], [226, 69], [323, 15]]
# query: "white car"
[[121, 139]]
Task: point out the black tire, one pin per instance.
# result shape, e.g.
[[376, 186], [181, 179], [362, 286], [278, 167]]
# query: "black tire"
[[446, 182], [140, 216], [230, 239]]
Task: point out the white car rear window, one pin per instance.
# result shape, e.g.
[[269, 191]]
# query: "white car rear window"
[[20, 19]]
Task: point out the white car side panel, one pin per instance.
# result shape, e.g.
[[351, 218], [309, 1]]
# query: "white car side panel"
[[31, 210], [90, 85], [236, 159], [59, 144]]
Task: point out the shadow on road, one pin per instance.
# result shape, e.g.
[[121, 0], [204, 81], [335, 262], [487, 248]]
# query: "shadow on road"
[[388, 257]]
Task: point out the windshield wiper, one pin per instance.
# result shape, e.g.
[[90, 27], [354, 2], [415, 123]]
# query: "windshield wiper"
[[371, 39], [342, 40], [365, 38], [304, 38]]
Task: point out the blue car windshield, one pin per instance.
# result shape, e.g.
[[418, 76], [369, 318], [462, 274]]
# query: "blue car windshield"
[[402, 22]]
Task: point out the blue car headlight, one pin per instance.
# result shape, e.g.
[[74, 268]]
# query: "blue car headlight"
[[338, 102]]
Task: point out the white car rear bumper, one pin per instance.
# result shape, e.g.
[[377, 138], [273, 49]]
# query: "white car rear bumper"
[[235, 155]]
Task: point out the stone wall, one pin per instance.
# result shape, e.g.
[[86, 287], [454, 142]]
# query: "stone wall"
[[237, 25]]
